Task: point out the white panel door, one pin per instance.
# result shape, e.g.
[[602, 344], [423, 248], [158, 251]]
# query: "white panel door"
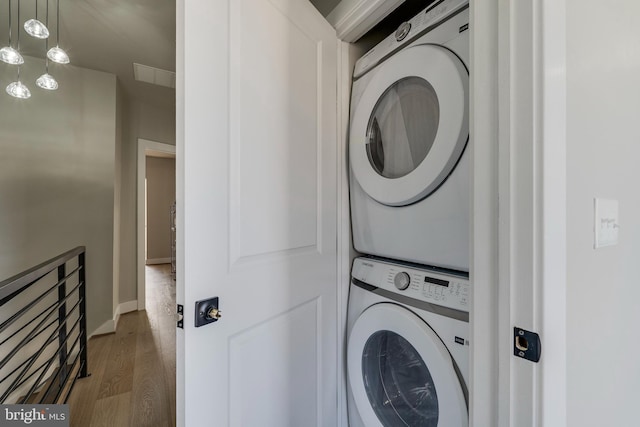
[[257, 213]]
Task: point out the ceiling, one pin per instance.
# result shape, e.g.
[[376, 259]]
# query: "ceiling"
[[325, 6], [106, 35], [110, 35]]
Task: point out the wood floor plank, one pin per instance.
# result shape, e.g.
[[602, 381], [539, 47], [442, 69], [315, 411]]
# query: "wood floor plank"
[[85, 392], [112, 411], [118, 375], [166, 301], [133, 369], [150, 400]]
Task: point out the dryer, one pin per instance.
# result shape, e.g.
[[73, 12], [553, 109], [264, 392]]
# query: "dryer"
[[408, 142], [407, 347]]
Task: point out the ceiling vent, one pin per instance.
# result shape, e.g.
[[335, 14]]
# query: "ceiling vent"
[[155, 76]]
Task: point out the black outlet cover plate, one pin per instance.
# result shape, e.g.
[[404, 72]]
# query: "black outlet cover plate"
[[202, 308]]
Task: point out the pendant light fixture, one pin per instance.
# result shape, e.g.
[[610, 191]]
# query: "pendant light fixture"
[[35, 28], [8, 54], [56, 54], [47, 81], [17, 89]]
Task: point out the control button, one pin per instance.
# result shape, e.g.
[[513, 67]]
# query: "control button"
[[403, 31], [402, 281]]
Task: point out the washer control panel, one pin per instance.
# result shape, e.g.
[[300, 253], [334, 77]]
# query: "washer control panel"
[[438, 288]]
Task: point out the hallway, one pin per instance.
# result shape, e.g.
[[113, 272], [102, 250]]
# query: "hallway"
[[133, 371]]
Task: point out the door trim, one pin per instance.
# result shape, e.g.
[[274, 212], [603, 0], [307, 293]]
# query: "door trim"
[[484, 368], [145, 147], [531, 214], [353, 18]]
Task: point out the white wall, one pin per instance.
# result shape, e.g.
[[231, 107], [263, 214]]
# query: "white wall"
[[161, 193], [57, 163], [155, 123], [603, 103]]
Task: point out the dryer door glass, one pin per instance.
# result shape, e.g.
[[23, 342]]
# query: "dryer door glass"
[[398, 383], [402, 127], [409, 127]]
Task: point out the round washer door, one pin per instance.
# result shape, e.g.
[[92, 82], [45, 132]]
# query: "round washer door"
[[400, 372], [411, 125]]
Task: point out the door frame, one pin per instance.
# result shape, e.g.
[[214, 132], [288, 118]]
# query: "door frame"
[[532, 227], [145, 147]]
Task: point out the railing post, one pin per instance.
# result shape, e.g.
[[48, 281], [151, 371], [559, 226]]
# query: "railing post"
[[83, 314], [62, 314]]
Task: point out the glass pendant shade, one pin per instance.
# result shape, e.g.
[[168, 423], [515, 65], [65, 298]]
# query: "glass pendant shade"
[[36, 29], [18, 90], [47, 81], [11, 56], [58, 55]]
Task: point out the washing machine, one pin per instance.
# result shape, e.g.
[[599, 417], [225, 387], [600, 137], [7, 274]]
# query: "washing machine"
[[409, 142], [407, 346]]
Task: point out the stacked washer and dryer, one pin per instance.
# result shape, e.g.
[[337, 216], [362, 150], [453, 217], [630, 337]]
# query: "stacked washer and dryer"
[[408, 313]]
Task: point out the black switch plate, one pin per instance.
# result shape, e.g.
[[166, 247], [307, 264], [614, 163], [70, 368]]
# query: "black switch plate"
[[526, 344], [202, 308]]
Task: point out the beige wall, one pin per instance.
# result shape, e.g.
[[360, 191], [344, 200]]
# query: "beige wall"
[[57, 172], [151, 122], [161, 193], [603, 148]]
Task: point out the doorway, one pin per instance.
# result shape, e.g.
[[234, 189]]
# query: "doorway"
[[156, 172]]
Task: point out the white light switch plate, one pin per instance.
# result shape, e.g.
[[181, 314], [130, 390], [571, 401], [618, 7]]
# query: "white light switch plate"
[[606, 225]]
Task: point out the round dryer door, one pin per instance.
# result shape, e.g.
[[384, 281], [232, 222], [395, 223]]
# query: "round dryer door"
[[400, 372], [411, 125]]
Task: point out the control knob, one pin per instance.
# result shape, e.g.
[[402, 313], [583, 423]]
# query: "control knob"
[[402, 281], [403, 31]]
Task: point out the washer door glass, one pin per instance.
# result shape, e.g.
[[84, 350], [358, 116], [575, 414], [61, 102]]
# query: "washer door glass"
[[403, 127], [398, 382], [401, 373]]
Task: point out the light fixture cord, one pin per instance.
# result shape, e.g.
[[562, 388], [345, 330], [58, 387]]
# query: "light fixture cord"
[[36, 10], [58, 25], [9, 23], [18, 25], [18, 37], [46, 41]]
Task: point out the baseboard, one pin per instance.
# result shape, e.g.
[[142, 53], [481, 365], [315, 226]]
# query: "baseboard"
[[154, 261], [124, 308], [107, 327], [110, 326]]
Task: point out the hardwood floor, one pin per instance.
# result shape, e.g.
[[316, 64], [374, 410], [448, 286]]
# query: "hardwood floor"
[[133, 372]]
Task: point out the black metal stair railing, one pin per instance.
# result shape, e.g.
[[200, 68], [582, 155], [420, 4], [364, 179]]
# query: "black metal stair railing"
[[43, 331]]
